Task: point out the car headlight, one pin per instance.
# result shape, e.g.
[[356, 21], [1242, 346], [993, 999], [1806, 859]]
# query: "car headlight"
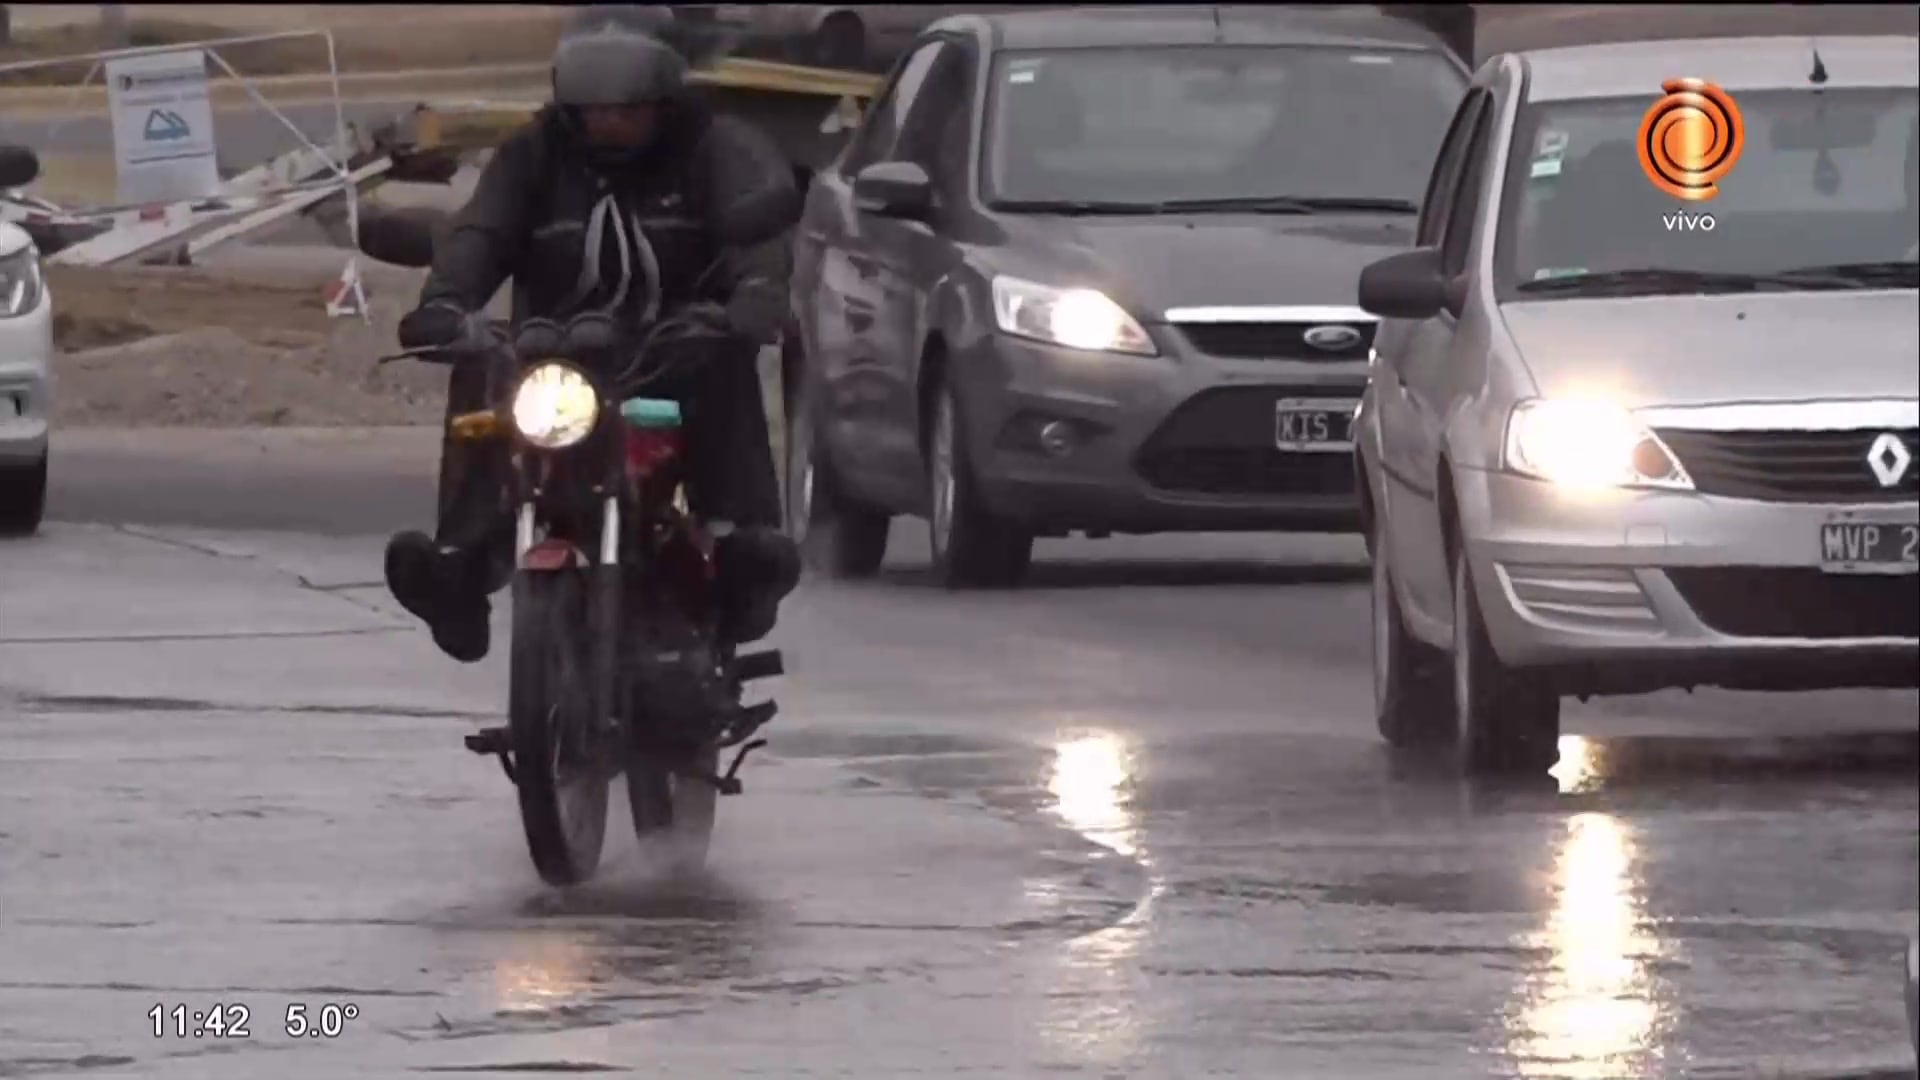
[[555, 406], [1589, 444], [1076, 318], [20, 283]]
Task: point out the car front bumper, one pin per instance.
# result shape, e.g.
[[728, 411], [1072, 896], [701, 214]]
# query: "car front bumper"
[[1628, 591], [26, 383], [1179, 442]]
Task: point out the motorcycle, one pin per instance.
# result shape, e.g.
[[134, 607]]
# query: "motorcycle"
[[616, 664]]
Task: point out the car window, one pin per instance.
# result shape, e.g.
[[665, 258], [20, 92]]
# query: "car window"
[[1215, 121], [941, 102], [1824, 177], [1468, 195], [880, 128], [1446, 170]]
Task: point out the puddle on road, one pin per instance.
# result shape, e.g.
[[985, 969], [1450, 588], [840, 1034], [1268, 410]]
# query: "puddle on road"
[[1566, 906]]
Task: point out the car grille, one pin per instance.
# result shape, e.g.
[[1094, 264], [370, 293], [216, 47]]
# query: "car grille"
[[1220, 442], [1800, 602], [1273, 340], [1790, 466]]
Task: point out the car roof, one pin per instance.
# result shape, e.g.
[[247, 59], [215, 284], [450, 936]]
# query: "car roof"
[[1637, 68], [1229, 24]]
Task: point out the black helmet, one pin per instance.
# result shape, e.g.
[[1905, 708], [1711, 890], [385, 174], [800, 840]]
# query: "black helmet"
[[613, 64]]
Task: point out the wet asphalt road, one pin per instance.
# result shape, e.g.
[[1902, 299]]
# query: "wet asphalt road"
[[1129, 821]]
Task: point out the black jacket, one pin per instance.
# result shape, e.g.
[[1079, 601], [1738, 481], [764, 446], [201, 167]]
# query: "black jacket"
[[713, 198]]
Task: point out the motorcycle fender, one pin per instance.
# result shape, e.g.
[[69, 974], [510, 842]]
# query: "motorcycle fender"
[[550, 555]]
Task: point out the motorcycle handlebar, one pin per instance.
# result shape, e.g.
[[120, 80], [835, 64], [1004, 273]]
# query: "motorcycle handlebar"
[[480, 335]]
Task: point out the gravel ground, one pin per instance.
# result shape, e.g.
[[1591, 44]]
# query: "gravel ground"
[[235, 345]]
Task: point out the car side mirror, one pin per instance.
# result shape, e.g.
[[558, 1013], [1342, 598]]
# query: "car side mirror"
[[1409, 285], [19, 166], [897, 189]]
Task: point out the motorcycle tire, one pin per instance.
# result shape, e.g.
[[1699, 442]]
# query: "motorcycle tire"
[[673, 815], [563, 803]]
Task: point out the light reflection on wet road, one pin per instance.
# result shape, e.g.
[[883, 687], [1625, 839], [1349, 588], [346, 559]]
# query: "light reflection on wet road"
[[1115, 824]]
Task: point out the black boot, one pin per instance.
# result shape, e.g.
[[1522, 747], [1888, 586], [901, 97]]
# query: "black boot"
[[443, 587], [756, 568]]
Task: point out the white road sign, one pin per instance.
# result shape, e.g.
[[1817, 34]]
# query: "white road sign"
[[163, 144]]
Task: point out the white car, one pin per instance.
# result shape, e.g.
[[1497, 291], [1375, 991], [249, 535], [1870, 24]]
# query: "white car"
[[26, 382], [1602, 456]]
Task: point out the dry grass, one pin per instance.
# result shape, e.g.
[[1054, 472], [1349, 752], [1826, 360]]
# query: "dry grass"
[[370, 46]]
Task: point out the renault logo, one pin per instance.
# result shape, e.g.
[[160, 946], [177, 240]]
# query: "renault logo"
[[1889, 459], [1332, 338]]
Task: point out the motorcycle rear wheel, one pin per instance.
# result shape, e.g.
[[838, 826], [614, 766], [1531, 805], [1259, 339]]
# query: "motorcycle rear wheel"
[[563, 800], [673, 815]]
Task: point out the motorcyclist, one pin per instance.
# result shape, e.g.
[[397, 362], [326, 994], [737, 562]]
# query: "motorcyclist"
[[626, 194]]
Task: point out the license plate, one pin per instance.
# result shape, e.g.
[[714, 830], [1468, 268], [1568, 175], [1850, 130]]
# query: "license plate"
[[1313, 424], [1869, 547]]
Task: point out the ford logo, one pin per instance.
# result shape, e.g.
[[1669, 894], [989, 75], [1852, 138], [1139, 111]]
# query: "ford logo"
[[1331, 338]]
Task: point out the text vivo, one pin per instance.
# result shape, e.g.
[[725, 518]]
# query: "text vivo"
[[1681, 221]]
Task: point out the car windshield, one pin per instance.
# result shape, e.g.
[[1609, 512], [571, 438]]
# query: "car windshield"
[[1822, 196], [1112, 128]]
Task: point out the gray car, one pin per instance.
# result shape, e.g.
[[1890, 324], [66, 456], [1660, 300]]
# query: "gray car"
[[1094, 272], [1615, 440]]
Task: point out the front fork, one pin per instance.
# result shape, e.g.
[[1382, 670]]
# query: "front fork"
[[605, 605]]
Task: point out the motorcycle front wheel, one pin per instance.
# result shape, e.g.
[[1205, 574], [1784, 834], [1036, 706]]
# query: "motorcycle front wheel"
[[563, 796], [673, 815]]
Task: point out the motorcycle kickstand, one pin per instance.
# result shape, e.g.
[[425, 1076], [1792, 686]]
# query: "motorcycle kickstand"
[[496, 741], [728, 783]]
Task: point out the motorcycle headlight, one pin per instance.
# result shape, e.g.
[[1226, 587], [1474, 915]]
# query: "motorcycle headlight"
[[555, 406], [20, 283], [1589, 444], [1075, 318]]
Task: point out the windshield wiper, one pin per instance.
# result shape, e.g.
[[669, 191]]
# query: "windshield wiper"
[[1293, 204], [1902, 274], [1664, 279], [1076, 206], [1262, 204]]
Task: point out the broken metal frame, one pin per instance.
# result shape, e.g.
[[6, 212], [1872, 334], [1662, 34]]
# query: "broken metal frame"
[[337, 162]]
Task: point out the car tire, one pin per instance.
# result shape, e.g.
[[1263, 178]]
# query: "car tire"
[[972, 547], [23, 498], [1507, 721], [837, 536], [1412, 688]]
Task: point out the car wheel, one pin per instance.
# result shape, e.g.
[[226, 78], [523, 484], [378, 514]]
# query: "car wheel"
[[837, 536], [1506, 720], [1412, 691], [972, 548], [23, 498]]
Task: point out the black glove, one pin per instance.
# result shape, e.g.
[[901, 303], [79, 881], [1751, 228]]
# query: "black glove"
[[757, 311], [432, 326]]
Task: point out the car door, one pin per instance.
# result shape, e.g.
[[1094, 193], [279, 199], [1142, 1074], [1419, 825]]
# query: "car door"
[[1412, 358], [853, 378], [912, 257]]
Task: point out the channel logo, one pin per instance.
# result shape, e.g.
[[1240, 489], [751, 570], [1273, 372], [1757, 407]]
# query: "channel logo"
[[1691, 139]]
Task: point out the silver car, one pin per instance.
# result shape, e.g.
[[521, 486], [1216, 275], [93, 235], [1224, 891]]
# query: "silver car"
[[1616, 440]]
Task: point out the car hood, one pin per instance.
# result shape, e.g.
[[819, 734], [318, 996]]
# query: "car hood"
[[1151, 264], [1686, 350]]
